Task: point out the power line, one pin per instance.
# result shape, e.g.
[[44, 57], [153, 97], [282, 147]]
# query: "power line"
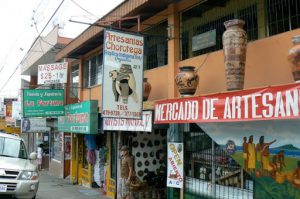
[[32, 45], [84, 9]]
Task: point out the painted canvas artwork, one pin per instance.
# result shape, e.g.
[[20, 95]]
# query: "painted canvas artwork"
[[268, 150]]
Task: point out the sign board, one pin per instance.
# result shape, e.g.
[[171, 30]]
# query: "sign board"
[[34, 125], [80, 118], [16, 110], [204, 40], [175, 165], [43, 103], [122, 75], [119, 124], [271, 103], [55, 73], [8, 106]]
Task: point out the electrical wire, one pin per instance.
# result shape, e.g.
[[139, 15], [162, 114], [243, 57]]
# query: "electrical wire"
[[84, 9], [56, 10]]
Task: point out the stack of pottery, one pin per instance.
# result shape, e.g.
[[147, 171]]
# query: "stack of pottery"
[[187, 80], [234, 48], [294, 58]]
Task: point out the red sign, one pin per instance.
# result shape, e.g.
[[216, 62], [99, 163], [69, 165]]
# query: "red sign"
[[271, 103]]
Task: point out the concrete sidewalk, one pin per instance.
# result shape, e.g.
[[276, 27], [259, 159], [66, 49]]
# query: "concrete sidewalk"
[[54, 188]]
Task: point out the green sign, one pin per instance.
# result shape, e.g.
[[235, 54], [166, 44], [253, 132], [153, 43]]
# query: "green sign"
[[43, 103], [80, 118]]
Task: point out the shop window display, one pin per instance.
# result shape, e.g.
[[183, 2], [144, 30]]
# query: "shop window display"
[[150, 165], [56, 145]]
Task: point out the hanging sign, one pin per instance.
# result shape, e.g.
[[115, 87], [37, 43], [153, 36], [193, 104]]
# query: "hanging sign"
[[175, 165], [34, 125], [122, 75], [55, 73], [80, 118], [43, 103], [271, 103], [119, 124]]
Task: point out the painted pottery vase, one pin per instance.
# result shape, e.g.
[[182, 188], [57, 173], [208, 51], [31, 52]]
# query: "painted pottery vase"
[[187, 80], [147, 89], [234, 48], [294, 58]]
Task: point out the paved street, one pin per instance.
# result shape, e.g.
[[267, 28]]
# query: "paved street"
[[55, 188]]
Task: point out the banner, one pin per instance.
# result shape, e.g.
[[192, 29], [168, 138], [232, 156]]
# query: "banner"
[[55, 73], [271, 103], [80, 118], [175, 165], [122, 95], [43, 103], [34, 125], [118, 124]]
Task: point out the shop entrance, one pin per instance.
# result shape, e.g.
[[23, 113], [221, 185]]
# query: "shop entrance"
[[210, 171], [149, 150]]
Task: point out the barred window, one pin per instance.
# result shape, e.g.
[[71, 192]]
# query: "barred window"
[[92, 71], [207, 20], [156, 46], [282, 15], [74, 81]]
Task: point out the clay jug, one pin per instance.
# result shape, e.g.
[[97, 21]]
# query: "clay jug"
[[187, 80], [147, 89], [234, 48], [294, 57]]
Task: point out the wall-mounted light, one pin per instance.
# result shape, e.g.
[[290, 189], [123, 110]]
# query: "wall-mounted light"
[[170, 30]]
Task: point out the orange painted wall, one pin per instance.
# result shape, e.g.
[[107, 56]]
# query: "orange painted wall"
[[266, 65]]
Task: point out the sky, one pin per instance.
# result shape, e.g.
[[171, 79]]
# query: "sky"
[[23, 20]]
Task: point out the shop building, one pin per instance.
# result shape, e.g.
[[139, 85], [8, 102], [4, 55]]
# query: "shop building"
[[41, 52], [189, 33]]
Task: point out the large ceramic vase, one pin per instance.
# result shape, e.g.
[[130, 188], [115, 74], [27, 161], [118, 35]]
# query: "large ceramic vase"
[[294, 58], [234, 48], [187, 80], [147, 89]]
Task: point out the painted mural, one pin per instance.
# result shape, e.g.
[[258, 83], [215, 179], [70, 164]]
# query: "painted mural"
[[268, 150]]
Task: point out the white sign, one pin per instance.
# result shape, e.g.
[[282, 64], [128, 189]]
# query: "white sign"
[[119, 124], [55, 73], [122, 95], [16, 110], [175, 165], [34, 125]]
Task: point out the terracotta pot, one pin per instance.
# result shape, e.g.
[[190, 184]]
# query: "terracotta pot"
[[187, 80], [234, 48], [147, 89], [294, 58]]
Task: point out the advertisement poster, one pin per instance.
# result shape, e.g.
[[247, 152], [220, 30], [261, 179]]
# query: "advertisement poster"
[[16, 110], [175, 165], [34, 125], [268, 150], [55, 73], [122, 95], [119, 124], [270, 103], [80, 118], [43, 103]]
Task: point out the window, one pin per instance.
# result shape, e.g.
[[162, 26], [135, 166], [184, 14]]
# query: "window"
[[282, 15], [92, 71], [207, 20], [156, 47], [12, 148], [56, 145], [74, 82]]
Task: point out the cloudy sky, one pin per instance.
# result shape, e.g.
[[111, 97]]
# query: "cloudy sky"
[[22, 21]]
